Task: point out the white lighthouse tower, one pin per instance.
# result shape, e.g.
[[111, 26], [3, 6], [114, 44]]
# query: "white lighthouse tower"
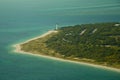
[[56, 27]]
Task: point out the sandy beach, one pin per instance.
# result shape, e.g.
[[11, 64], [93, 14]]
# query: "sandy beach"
[[18, 50]]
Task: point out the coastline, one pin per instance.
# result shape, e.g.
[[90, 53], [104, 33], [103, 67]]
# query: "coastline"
[[18, 50]]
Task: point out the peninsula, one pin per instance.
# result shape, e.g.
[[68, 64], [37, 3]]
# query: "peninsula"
[[92, 44]]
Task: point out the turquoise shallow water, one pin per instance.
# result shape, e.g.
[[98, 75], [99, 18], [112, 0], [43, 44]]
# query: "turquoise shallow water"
[[24, 19]]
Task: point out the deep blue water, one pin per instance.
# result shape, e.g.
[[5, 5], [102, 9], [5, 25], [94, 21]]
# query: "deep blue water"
[[23, 19]]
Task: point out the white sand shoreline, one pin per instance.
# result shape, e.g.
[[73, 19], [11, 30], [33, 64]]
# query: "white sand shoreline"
[[18, 50]]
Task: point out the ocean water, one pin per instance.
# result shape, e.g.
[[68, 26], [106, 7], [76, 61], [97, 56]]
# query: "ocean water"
[[24, 19]]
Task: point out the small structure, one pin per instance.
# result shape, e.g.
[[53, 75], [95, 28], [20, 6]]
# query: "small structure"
[[117, 25], [56, 27]]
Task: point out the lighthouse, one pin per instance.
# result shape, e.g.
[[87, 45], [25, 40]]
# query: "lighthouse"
[[56, 27]]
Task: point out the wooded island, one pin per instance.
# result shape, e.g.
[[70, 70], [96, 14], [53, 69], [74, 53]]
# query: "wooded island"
[[97, 43]]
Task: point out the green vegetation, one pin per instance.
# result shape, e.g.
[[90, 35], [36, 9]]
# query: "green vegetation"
[[95, 43]]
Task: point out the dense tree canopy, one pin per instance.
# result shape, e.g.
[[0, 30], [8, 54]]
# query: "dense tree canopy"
[[100, 41]]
